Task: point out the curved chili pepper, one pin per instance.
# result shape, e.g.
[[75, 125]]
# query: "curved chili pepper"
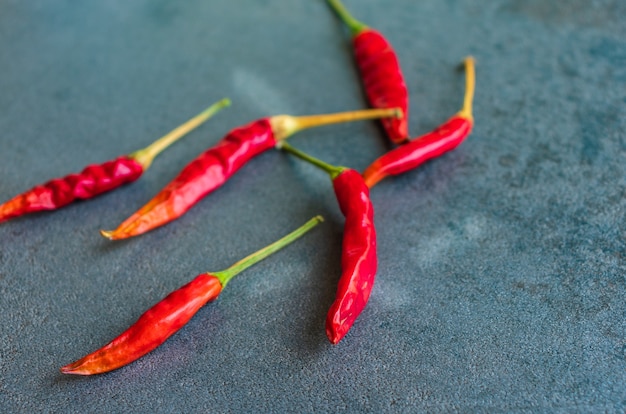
[[212, 168], [172, 313], [98, 179], [380, 72], [443, 139], [358, 258]]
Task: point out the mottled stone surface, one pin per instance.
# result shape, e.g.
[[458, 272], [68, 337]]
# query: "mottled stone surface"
[[501, 274]]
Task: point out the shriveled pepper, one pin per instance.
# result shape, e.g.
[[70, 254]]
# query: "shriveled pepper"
[[444, 138], [98, 179], [358, 258], [172, 313], [212, 168], [380, 72]]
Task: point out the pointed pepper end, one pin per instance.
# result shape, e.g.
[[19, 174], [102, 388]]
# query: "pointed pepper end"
[[333, 336], [108, 234], [11, 209], [73, 369]]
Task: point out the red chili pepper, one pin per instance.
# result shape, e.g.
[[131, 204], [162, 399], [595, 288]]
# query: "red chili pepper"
[[98, 179], [172, 313], [444, 138], [380, 72], [212, 168], [358, 259]]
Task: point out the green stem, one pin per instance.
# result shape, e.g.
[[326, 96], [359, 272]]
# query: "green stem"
[[225, 275], [146, 155], [332, 170], [353, 24]]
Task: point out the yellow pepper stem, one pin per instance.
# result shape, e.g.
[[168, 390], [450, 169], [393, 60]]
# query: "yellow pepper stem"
[[286, 125], [470, 85], [146, 155]]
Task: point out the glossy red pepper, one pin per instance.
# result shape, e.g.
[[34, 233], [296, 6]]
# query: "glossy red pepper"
[[358, 258], [443, 139], [151, 329], [212, 168], [172, 313], [98, 179], [380, 72]]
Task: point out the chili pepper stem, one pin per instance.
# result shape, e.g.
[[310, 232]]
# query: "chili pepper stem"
[[225, 275], [332, 170], [146, 155], [353, 24], [470, 85], [286, 125]]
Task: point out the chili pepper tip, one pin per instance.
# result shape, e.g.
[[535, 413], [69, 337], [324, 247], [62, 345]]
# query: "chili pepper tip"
[[70, 369], [333, 337], [108, 234]]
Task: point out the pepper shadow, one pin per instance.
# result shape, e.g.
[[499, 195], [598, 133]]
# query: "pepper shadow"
[[320, 288]]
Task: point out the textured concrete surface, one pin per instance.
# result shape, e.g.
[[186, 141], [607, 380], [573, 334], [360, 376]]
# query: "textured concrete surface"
[[501, 278]]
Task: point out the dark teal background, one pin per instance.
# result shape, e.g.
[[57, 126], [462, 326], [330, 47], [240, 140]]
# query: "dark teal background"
[[501, 265]]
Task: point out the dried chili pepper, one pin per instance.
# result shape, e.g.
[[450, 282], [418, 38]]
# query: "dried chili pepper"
[[380, 72], [172, 313], [444, 138], [213, 167], [358, 259], [98, 179]]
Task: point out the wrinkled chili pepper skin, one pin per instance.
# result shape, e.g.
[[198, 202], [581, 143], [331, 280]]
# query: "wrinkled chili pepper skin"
[[92, 181], [358, 259], [203, 175], [409, 156], [383, 80], [151, 329]]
